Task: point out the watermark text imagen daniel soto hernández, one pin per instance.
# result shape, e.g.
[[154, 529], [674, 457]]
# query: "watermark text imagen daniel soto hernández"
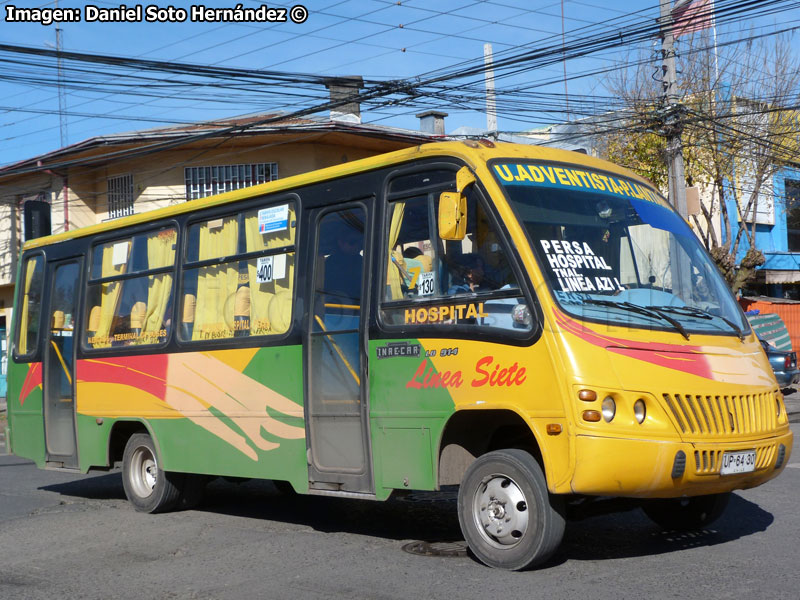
[[153, 13]]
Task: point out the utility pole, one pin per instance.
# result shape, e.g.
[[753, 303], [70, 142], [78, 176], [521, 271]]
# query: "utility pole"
[[491, 108], [564, 59], [62, 97], [672, 120]]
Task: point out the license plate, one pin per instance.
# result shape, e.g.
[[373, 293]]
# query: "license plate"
[[738, 462]]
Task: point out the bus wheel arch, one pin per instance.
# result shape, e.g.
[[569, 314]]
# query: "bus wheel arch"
[[469, 434], [120, 433]]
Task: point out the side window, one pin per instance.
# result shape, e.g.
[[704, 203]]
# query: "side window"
[[129, 297], [238, 275], [340, 263], [30, 306], [430, 281], [412, 254]]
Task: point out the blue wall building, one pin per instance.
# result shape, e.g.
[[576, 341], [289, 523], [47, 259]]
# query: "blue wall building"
[[779, 277]]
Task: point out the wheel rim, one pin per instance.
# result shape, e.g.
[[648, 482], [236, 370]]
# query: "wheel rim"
[[501, 511], [144, 471]]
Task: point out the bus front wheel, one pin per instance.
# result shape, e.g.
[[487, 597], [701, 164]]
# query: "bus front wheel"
[[507, 516], [685, 514], [147, 487]]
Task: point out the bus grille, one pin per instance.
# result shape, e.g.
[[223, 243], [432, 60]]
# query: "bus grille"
[[723, 415]]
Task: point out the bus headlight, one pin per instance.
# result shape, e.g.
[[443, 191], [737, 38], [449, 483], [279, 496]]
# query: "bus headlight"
[[639, 411], [609, 408]]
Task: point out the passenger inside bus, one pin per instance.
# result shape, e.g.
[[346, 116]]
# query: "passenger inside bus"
[[417, 255], [468, 276], [414, 262]]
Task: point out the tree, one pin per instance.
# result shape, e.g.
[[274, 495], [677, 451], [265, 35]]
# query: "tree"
[[738, 120]]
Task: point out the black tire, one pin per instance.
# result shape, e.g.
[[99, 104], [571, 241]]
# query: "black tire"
[[147, 487], [686, 514], [193, 489], [507, 516]]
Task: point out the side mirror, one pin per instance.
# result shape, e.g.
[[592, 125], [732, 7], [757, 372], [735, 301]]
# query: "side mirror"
[[452, 216], [453, 208]]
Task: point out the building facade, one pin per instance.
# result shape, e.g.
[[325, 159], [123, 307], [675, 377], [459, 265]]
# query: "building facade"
[[107, 177]]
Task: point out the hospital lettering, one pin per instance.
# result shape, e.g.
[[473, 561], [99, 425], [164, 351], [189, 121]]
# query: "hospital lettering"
[[567, 258], [440, 314]]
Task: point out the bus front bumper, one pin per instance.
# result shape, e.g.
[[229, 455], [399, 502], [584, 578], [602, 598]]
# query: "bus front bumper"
[[652, 469]]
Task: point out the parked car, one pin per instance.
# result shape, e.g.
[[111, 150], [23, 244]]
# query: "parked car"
[[784, 364]]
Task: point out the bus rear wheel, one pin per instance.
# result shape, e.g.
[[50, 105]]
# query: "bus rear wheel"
[[686, 514], [148, 488], [507, 516]]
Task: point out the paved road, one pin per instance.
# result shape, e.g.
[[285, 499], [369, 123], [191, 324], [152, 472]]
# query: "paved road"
[[72, 536]]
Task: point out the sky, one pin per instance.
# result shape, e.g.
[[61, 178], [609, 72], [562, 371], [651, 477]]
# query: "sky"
[[380, 40]]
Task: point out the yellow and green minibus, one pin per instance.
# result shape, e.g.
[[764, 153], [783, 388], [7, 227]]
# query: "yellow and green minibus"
[[536, 326]]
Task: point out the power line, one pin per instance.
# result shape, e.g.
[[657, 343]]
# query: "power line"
[[438, 85]]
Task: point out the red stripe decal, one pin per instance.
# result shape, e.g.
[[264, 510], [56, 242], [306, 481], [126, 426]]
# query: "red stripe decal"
[[679, 357], [148, 373], [32, 380]]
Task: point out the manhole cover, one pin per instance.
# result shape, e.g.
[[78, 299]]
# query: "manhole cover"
[[437, 548]]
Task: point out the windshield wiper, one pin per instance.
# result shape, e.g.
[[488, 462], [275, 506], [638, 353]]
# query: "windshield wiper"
[[642, 310], [692, 311]]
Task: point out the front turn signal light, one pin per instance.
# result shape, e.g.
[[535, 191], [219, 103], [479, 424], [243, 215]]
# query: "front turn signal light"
[[593, 416]]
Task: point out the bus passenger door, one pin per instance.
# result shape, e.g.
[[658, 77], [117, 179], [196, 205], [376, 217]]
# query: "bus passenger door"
[[59, 362], [336, 401]]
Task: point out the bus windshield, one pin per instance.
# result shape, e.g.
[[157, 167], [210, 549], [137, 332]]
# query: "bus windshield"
[[612, 250]]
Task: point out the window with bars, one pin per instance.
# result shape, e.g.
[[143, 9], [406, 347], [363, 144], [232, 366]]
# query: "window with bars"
[[120, 196], [207, 181]]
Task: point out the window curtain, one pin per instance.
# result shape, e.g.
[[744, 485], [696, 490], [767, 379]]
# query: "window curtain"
[[393, 277], [109, 300], [217, 284], [270, 303], [160, 253], [25, 326]]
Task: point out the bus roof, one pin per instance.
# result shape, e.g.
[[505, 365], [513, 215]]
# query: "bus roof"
[[471, 151]]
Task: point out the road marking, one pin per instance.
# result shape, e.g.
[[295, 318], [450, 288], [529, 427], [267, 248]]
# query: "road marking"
[[793, 466]]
